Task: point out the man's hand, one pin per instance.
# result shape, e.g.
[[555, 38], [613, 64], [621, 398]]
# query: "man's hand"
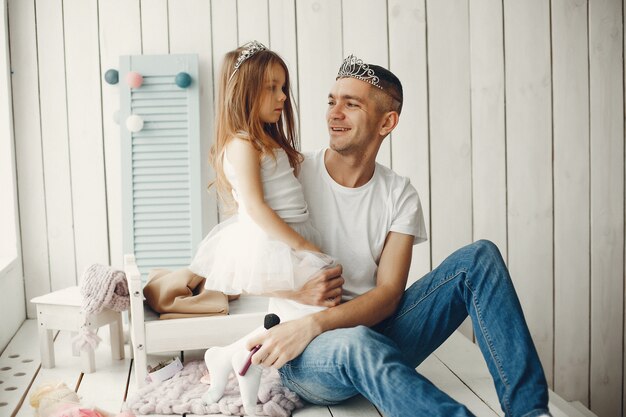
[[283, 342], [324, 289]]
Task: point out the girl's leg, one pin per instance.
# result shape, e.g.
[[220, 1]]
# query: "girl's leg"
[[248, 383], [218, 361]]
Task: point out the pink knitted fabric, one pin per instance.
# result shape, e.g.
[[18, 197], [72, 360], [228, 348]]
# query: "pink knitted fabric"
[[183, 394], [103, 286]]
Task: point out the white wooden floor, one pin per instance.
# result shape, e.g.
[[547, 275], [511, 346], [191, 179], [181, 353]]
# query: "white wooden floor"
[[457, 368]]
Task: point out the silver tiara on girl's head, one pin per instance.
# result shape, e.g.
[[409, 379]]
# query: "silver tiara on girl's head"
[[354, 67], [249, 49]]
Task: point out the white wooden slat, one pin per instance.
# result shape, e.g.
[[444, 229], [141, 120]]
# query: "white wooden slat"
[[224, 35], [607, 205], [66, 370], [8, 210], [561, 408], [465, 360], [571, 198], [488, 136], [84, 104], [28, 149], [253, 21], [370, 45], [408, 60], [582, 409], [110, 373], [354, 407], [225, 38], [154, 27], [319, 58], [119, 35], [312, 411], [437, 373], [450, 139], [20, 357], [12, 308], [282, 27], [450, 142], [529, 167], [190, 33], [55, 144]]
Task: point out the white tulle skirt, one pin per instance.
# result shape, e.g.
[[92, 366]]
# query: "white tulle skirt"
[[237, 256]]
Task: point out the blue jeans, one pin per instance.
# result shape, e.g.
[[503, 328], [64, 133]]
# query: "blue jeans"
[[380, 363]]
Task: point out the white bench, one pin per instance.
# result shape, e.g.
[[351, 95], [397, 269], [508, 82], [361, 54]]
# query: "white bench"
[[149, 335]]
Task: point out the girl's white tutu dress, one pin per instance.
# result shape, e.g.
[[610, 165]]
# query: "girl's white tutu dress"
[[238, 256]]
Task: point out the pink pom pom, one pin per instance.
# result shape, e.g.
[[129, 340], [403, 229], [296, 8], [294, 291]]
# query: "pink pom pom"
[[88, 412], [134, 79]]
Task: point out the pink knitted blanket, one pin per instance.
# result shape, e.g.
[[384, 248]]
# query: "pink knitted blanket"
[[182, 394]]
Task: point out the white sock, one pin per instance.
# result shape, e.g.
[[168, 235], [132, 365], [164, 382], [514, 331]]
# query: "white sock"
[[218, 363], [249, 383]]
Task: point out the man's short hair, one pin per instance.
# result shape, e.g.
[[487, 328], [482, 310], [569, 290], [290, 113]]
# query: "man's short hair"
[[387, 89], [391, 88]]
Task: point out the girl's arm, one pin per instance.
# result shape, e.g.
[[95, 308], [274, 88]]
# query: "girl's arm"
[[245, 159]]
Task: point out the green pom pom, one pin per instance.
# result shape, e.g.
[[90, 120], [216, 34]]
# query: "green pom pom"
[[183, 80], [112, 76]]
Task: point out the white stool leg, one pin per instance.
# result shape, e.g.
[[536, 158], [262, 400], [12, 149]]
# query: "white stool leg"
[[46, 346], [75, 349], [88, 360], [116, 331], [87, 356]]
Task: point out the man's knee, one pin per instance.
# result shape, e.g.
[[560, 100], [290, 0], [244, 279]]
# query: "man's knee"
[[487, 262], [486, 251], [486, 246]]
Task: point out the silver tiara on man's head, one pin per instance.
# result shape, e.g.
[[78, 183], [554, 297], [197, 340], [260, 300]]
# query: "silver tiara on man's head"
[[354, 67], [249, 49]]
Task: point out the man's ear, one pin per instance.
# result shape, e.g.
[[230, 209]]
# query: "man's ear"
[[389, 122]]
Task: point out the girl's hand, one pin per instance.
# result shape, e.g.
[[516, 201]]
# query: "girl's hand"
[[324, 289]]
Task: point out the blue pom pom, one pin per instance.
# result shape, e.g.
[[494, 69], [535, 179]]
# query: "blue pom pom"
[[112, 76], [183, 80]]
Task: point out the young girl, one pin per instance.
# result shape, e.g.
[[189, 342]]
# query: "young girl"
[[270, 245]]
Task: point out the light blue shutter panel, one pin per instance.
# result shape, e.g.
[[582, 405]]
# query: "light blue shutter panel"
[[161, 178]]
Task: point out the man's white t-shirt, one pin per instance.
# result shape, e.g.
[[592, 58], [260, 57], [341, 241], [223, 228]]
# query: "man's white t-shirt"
[[354, 222]]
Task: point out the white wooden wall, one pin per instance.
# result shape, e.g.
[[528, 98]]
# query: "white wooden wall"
[[12, 308], [512, 130]]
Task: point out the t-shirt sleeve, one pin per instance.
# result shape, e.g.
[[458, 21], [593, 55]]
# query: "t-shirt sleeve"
[[409, 217]]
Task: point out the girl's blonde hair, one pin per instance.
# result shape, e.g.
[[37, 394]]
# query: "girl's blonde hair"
[[238, 114]]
